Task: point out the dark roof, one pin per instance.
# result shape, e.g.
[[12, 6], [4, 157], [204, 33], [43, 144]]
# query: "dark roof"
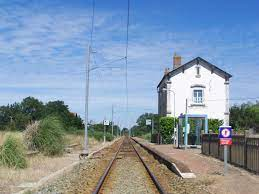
[[200, 61]]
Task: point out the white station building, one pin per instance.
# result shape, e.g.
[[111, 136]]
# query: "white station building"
[[196, 89]]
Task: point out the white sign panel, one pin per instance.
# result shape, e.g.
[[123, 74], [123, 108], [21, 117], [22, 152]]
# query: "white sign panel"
[[148, 122], [106, 122]]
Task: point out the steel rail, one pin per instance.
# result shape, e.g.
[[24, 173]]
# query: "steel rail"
[[105, 174], [154, 179]]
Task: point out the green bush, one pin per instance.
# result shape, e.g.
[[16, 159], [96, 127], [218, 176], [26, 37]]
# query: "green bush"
[[12, 153], [109, 137], [146, 136], [167, 128], [214, 125], [49, 138], [98, 135]]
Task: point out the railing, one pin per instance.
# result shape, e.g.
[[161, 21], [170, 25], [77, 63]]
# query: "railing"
[[244, 151]]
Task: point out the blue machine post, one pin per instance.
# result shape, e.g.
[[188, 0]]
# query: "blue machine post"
[[206, 125], [185, 131], [197, 131]]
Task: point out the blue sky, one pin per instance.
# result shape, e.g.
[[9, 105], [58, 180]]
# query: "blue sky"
[[43, 49]]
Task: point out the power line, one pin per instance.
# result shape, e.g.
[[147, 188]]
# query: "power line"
[[235, 99], [103, 65], [92, 27], [126, 60]]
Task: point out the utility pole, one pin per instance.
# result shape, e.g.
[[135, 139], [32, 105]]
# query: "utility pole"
[[104, 130], [112, 119], [152, 130], [86, 150], [226, 123], [104, 133]]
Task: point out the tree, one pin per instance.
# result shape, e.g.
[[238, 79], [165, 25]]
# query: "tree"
[[58, 106], [17, 115], [20, 121], [75, 121], [33, 108], [245, 116], [141, 121], [4, 117], [125, 131], [141, 128], [96, 127], [58, 109]]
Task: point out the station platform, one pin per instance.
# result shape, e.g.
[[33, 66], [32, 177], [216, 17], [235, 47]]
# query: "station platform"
[[210, 170]]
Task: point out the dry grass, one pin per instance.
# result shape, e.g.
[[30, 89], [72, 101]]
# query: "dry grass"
[[79, 139], [39, 165], [4, 134]]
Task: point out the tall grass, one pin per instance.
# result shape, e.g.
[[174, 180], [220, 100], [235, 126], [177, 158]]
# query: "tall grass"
[[28, 136], [12, 153], [47, 136]]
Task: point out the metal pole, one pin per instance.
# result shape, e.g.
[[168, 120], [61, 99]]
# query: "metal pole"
[[86, 151], [225, 159], [104, 133], [152, 130], [174, 118], [174, 109], [226, 123], [112, 120]]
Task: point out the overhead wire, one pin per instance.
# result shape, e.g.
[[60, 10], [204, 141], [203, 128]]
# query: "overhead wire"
[[126, 61], [92, 26], [103, 65], [235, 99]]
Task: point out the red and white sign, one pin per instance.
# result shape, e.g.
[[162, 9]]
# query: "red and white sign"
[[225, 141], [225, 135]]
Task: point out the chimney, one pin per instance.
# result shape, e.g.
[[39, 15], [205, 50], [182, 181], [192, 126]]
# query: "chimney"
[[167, 70], [176, 61]]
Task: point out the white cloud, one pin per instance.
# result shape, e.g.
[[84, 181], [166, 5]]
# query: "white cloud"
[[43, 54]]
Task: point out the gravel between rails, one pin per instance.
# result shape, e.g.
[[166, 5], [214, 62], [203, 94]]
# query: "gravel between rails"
[[128, 175], [84, 177], [168, 180]]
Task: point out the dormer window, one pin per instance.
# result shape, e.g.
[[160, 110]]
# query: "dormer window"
[[198, 75]]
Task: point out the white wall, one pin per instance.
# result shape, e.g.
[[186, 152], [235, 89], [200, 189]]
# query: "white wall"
[[214, 93]]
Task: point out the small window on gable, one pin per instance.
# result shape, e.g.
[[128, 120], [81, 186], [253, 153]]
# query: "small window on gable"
[[198, 71]]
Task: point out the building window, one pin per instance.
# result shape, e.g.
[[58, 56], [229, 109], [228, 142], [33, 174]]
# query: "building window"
[[198, 71], [198, 96]]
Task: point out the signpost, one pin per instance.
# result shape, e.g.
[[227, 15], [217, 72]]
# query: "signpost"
[[149, 123], [105, 123], [225, 138]]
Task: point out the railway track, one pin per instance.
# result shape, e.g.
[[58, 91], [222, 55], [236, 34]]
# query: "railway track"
[[127, 172]]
